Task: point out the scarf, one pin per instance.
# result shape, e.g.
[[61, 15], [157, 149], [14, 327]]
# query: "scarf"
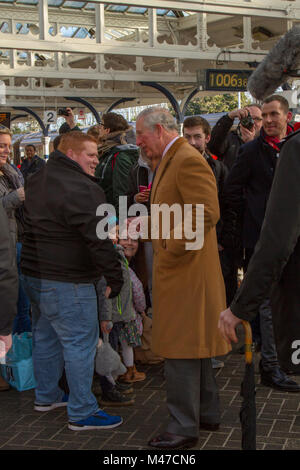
[[112, 140], [274, 141]]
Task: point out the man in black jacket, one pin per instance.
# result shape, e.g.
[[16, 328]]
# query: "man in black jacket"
[[8, 289], [275, 265], [197, 131], [62, 259], [32, 162], [247, 189], [226, 142]]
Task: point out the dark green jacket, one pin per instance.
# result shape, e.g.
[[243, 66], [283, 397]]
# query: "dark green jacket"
[[274, 268], [113, 171]]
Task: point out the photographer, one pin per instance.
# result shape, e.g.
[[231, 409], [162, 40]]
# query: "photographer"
[[70, 124], [225, 142]]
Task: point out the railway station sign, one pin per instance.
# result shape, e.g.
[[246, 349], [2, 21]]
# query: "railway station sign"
[[223, 80]]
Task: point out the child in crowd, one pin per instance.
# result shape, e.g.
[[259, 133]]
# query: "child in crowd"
[[132, 331], [127, 324]]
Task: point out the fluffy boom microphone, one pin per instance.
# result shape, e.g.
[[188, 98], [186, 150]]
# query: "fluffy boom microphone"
[[281, 63]]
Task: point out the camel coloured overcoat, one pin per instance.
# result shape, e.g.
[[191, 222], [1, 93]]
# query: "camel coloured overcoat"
[[188, 287]]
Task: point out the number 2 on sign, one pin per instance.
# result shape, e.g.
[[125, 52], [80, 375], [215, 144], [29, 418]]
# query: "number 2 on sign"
[[50, 117]]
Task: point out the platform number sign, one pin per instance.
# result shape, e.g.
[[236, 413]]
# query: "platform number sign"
[[50, 117]]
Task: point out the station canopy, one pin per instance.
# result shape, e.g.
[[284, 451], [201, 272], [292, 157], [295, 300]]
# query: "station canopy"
[[105, 52]]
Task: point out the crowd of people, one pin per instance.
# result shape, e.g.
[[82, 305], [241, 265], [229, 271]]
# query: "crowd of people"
[[70, 287]]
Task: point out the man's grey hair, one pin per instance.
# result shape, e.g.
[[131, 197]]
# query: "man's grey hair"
[[157, 115]]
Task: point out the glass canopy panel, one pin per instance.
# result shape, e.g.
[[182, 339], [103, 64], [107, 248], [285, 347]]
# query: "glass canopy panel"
[[137, 10], [161, 12], [118, 8], [55, 3], [76, 5], [28, 2], [90, 6]]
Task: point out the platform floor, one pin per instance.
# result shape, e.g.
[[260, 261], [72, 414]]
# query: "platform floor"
[[278, 418]]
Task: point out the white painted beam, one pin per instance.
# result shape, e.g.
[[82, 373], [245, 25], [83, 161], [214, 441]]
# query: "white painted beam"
[[46, 92], [40, 72], [9, 41], [276, 9]]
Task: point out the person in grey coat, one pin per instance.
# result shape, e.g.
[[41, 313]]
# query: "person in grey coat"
[[11, 188], [275, 266]]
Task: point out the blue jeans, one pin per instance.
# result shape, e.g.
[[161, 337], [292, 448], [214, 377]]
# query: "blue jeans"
[[22, 321], [65, 332]]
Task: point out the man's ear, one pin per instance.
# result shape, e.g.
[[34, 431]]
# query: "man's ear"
[[207, 138], [69, 153], [159, 129], [289, 116]]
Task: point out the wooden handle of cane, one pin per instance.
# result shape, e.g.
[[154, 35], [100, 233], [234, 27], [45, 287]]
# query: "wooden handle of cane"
[[248, 342]]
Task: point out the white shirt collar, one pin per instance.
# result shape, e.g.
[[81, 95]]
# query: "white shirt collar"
[[169, 146]]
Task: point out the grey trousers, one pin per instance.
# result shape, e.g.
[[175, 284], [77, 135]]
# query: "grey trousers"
[[268, 349], [192, 395]]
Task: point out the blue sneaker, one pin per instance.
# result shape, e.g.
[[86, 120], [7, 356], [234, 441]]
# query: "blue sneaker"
[[99, 420], [51, 406]]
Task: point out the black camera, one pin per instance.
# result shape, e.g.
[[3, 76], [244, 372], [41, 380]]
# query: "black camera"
[[62, 112], [247, 122]]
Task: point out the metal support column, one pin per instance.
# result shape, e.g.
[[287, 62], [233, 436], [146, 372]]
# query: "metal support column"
[[169, 96], [116, 103], [87, 104]]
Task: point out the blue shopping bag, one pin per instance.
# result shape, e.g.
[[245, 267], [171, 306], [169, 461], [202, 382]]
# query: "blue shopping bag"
[[18, 368]]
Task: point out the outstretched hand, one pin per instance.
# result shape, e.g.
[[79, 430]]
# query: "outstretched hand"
[[227, 325]]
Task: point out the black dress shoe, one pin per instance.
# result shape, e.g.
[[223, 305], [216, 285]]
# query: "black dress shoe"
[[172, 441], [277, 379], [210, 426]]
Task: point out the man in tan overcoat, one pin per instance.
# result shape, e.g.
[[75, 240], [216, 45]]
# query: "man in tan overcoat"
[[188, 288]]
